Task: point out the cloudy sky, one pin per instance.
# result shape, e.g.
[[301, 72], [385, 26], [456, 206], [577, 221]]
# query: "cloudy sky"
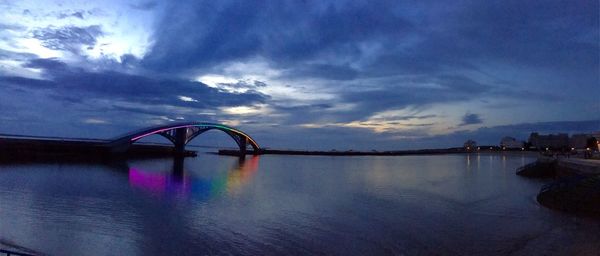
[[303, 74]]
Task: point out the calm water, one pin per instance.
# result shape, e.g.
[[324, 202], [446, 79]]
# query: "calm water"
[[411, 205]]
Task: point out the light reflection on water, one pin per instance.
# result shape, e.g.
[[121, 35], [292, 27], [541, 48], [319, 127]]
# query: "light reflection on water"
[[177, 183], [444, 204]]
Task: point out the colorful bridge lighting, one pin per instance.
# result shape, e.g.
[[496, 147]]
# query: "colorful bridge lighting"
[[182, 133]]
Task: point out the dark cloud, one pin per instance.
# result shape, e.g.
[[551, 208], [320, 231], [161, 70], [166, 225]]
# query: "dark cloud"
[[11, 55], [414, 38], [22, 82], [145, 111], [469, 119], [51, 64], [144, 6], [406, 117], [304, 108], [76, 14], [323, 71], [406, 93], [129, 60], [14, 27], [540, 33], [78, 84], [244, 84], [284, 32], [419, 125], [69, 38]]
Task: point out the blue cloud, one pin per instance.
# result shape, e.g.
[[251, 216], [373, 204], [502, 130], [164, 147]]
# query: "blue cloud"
[[76, 14], [469, 119], [144, 6], [74, 84], [283, 32], [69, 38]]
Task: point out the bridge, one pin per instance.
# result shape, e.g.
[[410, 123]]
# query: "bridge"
[[180, 134]]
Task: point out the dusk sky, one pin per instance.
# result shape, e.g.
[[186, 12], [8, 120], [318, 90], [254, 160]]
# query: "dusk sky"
[[303, 74]]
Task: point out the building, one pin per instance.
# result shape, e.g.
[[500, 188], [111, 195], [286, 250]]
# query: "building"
[[550, 141], [596, 135], [470, 145], [510, 143], [579, 141]]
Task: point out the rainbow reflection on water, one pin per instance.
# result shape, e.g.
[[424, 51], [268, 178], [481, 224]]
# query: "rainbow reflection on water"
[[177, 184]]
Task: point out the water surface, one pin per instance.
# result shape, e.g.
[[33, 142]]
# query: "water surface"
[[413, 205]]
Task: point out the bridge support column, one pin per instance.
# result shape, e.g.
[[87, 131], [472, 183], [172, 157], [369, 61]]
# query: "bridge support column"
[[180, 138], [243, 145]]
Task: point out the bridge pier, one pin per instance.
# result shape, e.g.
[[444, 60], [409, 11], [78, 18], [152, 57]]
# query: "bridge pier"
[[243, 145], [180, 140]]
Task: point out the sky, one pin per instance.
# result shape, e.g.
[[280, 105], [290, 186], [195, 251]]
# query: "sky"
[[303, 74]]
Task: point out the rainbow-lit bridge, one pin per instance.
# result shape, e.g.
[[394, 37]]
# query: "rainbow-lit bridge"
[[180, 134], [13, 147]]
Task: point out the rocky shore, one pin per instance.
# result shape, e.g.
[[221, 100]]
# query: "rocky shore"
[[576, 194], [576, 185], [544, 167]]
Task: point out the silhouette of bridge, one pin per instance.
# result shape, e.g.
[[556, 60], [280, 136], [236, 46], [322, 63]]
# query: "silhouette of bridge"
[[180, 134]]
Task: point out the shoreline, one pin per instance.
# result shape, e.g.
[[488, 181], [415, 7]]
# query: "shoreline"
[[575, 188], [23, 149], [374, 153]]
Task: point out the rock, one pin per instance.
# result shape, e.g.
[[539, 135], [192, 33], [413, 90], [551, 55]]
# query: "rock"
[[538, 169], [575, 194]]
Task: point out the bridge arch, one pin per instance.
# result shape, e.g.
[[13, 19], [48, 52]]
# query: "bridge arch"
[[180, 134]]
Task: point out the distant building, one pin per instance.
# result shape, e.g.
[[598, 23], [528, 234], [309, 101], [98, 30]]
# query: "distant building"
[[470, 145], [579, 141], [596, 135], [510, 143], [551, 141]]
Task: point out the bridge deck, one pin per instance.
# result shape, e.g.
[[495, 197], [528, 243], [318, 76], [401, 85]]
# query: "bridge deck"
[[179, 134], [22, 148]]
